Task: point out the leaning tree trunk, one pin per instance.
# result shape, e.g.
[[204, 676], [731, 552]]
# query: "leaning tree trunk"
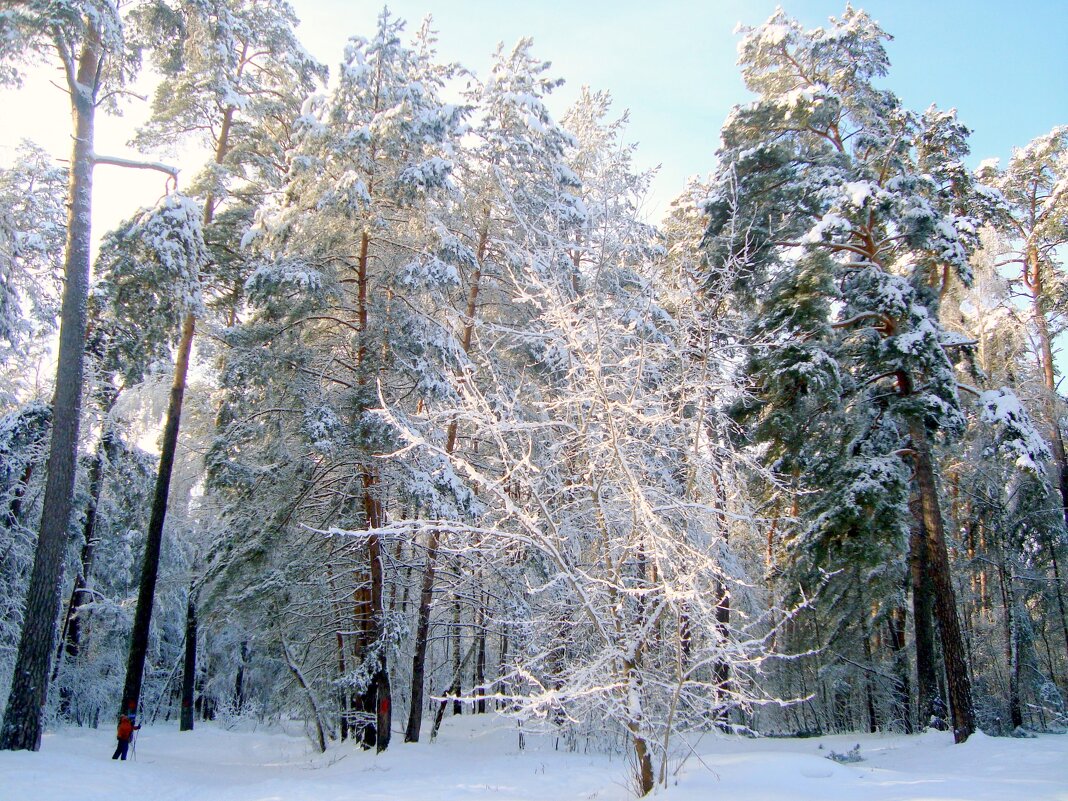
[[945, 602], [135, 665], [21, 727]]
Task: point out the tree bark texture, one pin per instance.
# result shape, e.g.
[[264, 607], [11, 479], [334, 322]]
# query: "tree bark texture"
[[922, 620], [21, 728], [945, 601], [135, 665]]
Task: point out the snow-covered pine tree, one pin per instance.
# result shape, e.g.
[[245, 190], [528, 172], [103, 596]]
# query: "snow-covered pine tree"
[[514, 182], [235, 74], [32, 233], [1006, 501], [154, 264], [595, 480], [1033, 219], [346, 295], [823, 165]]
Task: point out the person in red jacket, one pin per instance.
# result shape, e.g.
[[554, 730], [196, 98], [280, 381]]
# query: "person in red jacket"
[[127, 727]]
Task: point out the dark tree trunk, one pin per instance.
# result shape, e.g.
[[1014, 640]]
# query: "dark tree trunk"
[[426, 596], [723, 605], [376, 701], [439, 715], [945, 602], [1012, 643], [722, 668], [239, 679], [135, 665], [923, 620], [501, 685], [344, 698], [643, 762], [422, 634], [1035, 282], [21, 727], [643, 774], [457, 687], [869, 688], [80, 596], [1057, 590], [13, 517], [189, 669], [383, 709], [480, 657], [902, 690]]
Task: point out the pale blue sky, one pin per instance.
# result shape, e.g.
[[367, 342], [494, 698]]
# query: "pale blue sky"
[[672, 63], [1003, 65]]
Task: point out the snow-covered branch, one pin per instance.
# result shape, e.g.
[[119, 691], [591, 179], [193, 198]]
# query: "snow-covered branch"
[[135, 164]]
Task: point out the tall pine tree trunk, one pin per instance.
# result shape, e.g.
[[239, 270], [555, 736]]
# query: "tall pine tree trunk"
[[1033, 280], [376, 701], [135, 665], [1035, 283], [22, 722], [1012, 650], [922, 619], [945, 601]]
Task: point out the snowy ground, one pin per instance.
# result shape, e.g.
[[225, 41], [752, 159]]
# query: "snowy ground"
[[479, 759]]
